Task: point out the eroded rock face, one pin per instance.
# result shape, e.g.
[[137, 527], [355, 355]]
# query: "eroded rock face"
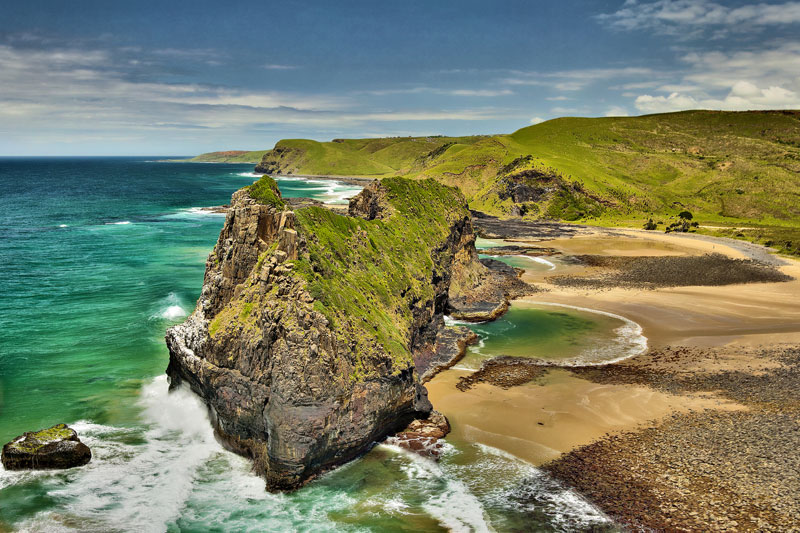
[[307, 336], [483, 294], [369, 205], [55, 447]]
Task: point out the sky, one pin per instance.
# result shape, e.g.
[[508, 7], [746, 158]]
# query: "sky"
[[115, 77]]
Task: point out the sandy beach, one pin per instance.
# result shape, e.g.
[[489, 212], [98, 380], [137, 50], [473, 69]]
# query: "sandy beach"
[[565, 411]]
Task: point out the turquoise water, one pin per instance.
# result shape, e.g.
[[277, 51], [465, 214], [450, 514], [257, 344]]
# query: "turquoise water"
[[536, 264], [99, 257], [562, 334]]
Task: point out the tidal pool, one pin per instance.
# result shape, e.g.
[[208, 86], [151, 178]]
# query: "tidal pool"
[[565, 335]]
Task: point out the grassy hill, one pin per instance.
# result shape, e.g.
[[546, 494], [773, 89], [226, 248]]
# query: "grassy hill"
[[736, 170], [229, 156], [356, 157]]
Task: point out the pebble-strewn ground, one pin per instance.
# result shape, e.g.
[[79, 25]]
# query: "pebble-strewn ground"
[[654, 272], [713, 470]]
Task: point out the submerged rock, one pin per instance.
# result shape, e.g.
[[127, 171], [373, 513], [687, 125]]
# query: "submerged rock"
[[55, 447], [313, 329]]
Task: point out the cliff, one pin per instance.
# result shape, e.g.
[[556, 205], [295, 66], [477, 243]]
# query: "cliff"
[[313, 328], [737, 172]]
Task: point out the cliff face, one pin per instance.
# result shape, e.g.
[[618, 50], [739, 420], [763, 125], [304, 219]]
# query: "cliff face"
[[313, 328]]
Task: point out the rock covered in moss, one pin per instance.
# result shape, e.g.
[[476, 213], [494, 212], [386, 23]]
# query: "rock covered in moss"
[[55, 447], [314, 330]]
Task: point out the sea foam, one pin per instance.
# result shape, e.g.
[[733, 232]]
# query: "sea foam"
[[170, 308], [628, 342]]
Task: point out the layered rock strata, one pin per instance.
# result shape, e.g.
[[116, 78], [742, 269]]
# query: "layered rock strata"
[[306, 339]]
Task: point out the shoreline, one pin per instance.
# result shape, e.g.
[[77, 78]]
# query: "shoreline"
[[569, 419], [349, 180]]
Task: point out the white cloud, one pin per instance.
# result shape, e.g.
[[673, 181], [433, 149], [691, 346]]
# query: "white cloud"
[[737, 80], [55, 96], [679, 16], [575, 80], [537, 120], [617, 111], [743, 96], [479, 92], [440, 91], [723, 69], [275, 66], [663, 104]]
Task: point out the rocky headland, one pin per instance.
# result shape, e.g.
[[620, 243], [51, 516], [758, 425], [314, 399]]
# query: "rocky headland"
[[314, 330]]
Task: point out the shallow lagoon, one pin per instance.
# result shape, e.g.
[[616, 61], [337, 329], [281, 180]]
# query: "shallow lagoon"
[[563, 335]]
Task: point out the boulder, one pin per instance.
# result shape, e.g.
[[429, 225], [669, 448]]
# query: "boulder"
[[422, 436], [55, 447]]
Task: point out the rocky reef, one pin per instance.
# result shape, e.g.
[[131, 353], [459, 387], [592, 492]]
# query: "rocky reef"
[[314, 329], [55, 447]]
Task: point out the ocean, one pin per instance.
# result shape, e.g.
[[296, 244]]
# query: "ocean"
[[98, 257]]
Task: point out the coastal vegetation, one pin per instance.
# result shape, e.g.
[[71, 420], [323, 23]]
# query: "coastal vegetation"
[[319, 326], [731, 170], [358, 270], [228, 156], [265, 191]]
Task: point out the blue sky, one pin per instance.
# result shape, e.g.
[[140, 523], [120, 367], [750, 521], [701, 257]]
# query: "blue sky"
[[156, 78]]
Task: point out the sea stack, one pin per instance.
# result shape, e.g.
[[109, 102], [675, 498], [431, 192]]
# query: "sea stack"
[[55, 447], [313, 328]]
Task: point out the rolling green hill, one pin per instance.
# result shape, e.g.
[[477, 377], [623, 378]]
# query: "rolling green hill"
[[356, 157], [229, 156], [730, 169]]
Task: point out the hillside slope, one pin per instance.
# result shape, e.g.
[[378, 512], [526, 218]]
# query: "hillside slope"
[[357, 157], [228, 156], [727, 168]]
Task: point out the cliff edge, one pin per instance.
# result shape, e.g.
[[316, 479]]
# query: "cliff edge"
[[313, 328]]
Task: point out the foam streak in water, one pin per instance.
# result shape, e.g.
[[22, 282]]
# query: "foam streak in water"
[[141, 487], [629, 340], [455, 507]]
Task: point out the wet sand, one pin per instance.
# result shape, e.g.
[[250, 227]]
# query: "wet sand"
[[565, 410], [541, 420], [682, 315]]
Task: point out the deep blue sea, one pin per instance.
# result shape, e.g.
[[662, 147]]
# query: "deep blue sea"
[[98, 256]]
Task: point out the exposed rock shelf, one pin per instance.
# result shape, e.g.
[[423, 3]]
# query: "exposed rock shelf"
[[313, 328]]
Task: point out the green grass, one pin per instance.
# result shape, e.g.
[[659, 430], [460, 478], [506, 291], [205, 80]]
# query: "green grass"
[[230, 156], [367, 276], [728, 168], [265, 191], [354, 157], [42, 437]]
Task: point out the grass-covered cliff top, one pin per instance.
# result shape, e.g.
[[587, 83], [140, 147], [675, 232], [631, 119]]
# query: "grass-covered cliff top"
[[266, 191], [736, 171], [358, 157], [367, 276]]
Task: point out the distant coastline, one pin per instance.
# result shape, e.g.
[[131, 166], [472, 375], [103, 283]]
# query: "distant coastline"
[[227, 156]]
